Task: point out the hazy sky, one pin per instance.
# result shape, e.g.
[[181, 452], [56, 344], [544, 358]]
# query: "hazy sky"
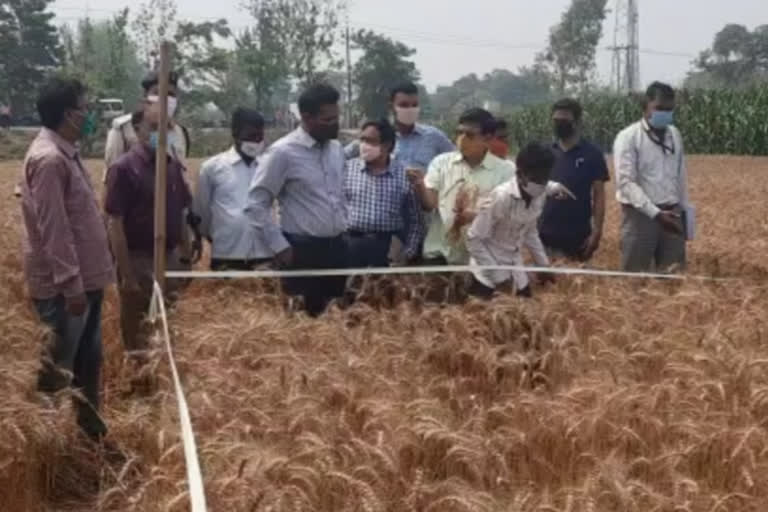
[[456, 37]]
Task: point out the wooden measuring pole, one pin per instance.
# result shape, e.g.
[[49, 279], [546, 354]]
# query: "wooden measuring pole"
[[161, 164]]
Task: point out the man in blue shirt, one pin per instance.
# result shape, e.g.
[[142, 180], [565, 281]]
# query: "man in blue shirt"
[[380, 200], [573, 228]]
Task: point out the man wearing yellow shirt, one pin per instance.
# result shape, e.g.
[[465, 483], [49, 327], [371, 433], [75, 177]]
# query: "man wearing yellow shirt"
[[454, 185]]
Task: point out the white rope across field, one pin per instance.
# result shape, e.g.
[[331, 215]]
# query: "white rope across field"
[[194, 476], [264, 274]]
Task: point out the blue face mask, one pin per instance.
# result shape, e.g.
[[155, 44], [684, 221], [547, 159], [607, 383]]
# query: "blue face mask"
[[661, 119], [153, 138]]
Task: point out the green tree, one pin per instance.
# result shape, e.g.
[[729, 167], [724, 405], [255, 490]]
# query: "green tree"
[[103, 54], [262, 49], [738, 58], [306, 31], [155, 22], [383, 64], [570, 56], [29, 50]]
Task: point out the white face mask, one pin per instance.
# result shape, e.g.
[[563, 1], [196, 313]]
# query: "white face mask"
[[173, 104], [252, 149], [407, 116], [369, 152], [534, 189]]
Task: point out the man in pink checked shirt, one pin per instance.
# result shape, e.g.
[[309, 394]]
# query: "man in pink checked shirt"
[[67, 261]]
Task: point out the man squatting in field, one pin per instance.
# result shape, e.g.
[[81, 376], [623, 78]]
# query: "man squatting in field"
[[652, 187], [456, 183], [506, 221], [67, 261]]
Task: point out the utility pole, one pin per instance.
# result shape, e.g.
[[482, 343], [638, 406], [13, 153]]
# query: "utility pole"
[[348, 110], [625, 70]]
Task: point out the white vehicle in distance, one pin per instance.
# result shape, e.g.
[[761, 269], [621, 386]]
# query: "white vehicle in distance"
[[110, 108]]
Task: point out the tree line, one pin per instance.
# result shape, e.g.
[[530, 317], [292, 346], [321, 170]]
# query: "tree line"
[[291, 43]]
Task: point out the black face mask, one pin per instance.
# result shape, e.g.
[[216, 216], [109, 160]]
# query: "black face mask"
[[325, 132], [564, 129]]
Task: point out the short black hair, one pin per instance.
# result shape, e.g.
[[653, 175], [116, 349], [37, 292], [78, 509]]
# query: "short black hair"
[[386, 131], [569, 105], [243, 117], [56, 97], [481, 118], [659, 90], [153, 78], [137, 118], [317, 96], [501, 124], [536, 161], [404, 88]]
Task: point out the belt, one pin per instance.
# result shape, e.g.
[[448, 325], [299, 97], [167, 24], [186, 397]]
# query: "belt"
[[379, 235], [667, 207]]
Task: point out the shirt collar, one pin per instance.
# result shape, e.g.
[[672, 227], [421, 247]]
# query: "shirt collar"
[[514, 188], [64, 145], [232, 157], [487, 162], [304, 138], [576, 146], [389, 171]]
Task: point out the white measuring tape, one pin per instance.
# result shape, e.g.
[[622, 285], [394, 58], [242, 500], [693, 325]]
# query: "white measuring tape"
[[434, 270], [194, 476]]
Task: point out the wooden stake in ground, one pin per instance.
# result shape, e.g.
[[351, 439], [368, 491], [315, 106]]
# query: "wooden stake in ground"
[[161, 164]]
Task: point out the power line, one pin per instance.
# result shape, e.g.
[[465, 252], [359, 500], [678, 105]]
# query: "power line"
[[418, 36]]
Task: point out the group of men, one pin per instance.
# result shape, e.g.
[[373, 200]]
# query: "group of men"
[[402, 194]]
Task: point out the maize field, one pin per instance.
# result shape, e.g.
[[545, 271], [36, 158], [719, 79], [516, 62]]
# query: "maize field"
[[713, 122]]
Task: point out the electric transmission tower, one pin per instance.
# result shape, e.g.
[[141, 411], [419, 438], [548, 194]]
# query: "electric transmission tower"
[[625, 73]]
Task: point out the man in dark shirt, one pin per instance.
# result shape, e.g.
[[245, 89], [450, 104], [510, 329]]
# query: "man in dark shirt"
[[130, 206], [574, 228]]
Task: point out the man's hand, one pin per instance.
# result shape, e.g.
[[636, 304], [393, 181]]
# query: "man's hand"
[[559, 191], [463, 218], [670, 222], [197, 250], [284, 259], [131, 285], [546, 278], [416, 177], [77, 305], [525, 293], [591, 245]]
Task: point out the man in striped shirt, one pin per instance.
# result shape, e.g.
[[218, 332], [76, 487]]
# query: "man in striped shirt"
[[380, 200]]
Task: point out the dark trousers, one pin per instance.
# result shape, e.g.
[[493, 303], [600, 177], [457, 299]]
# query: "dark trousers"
[[73, 357], [317, 253], [368, 249], [221, 265]]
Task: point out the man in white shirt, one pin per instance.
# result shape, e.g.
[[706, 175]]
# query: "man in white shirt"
[[222, 196], [652, 186], [304, 171], [508, 221]]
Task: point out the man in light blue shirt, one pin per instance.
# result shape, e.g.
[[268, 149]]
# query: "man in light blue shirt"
[[304, 171], [222, 196]]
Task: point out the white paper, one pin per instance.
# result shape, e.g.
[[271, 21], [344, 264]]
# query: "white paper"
[[690, 222]]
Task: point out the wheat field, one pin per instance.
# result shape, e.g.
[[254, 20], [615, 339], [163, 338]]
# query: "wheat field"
[[598, 395]]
